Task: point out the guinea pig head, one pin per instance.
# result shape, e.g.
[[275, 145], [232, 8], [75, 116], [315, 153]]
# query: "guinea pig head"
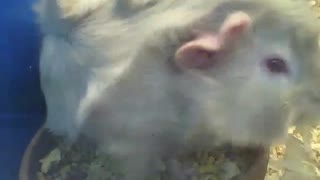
[[246, 76]]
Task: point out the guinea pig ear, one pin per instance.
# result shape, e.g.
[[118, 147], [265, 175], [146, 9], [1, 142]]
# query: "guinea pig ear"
[[203, 51], [198, 53], [234, 25]]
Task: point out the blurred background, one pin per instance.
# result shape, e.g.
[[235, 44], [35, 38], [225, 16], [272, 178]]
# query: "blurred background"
[[22, 105]]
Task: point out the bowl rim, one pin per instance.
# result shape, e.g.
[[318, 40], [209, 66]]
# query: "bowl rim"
[[26, 158], [261, 162]]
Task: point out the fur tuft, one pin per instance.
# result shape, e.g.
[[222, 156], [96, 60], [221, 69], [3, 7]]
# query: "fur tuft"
[[59, 17]]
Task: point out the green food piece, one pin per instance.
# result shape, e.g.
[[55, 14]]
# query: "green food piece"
[[82, 161], [65, 170], [230, 170], [53, 156], [40, 176]]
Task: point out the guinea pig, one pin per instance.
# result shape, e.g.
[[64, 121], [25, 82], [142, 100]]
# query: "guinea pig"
[[173, 75]]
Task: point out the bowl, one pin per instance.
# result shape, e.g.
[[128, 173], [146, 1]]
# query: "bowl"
[[43, 142]]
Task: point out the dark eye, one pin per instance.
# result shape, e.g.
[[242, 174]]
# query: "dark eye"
[[276, 65]]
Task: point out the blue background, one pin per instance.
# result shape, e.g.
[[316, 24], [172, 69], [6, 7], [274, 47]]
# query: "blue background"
[[22, 105]]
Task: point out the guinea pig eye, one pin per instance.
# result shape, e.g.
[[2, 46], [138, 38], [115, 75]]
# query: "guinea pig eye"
[[276, 65]]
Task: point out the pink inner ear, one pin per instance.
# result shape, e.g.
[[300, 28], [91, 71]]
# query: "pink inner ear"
[[199, 52], [234, 25], [202, 52]]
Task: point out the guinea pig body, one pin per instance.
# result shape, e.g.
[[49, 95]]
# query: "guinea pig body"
[[176, 75]]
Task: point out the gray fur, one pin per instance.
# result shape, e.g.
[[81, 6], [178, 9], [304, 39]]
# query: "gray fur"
[[111, 76]]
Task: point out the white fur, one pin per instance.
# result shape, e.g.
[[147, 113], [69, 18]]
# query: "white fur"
[[104, 74], [74, 69]]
